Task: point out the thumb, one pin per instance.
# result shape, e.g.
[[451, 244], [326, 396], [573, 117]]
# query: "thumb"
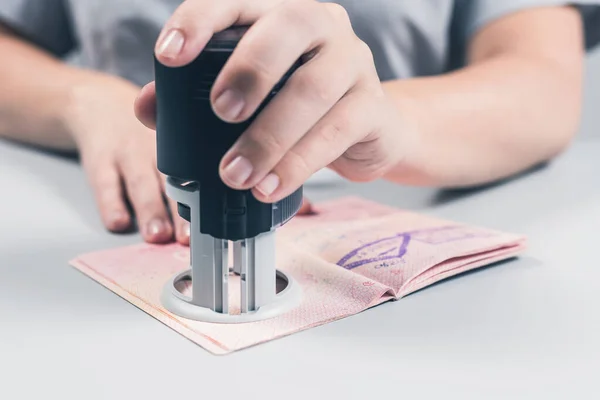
[[145, 106]]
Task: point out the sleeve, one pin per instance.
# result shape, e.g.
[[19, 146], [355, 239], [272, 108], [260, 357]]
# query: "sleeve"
[[474, 14], [46, 23]]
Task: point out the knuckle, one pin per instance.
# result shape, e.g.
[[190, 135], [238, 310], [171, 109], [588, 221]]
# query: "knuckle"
[[297, 167], [338, 13], [251, 70], [362, 57], [313, 87], [363, 50], [330, 134], [187, 13], [264, 143], [297, 13], [123, 154], [307, 17], [137, 182]]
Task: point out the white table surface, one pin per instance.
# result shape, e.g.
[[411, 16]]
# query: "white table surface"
[[528, 328]]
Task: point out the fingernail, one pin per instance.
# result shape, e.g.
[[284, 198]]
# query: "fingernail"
[[238, 171], [229, 104], [155, 227], [268, 185], [172, 44]]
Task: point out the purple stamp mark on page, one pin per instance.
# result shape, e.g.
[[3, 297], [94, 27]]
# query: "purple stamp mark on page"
[[390, 248], [394, 248]]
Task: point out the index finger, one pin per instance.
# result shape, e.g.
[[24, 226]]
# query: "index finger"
[[194, 22]]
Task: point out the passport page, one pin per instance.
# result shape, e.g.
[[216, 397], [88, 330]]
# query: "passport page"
[[350, 255]]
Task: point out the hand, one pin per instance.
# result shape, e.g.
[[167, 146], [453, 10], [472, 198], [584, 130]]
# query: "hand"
[[332, 112], [119, 156]]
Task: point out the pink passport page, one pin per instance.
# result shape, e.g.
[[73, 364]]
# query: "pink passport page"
[[352, 254]]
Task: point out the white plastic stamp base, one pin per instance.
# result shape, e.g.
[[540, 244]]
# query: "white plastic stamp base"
[[253, 261], [177, 303]]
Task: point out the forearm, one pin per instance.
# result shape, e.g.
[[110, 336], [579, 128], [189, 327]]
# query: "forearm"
[[509, 110], [38, 95]]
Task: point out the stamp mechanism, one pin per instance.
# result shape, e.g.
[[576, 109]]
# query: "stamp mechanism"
[[191, 140]]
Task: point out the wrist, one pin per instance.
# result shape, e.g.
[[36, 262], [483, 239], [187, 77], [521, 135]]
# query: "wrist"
[[408, 128], [78, 96], [90, 96]]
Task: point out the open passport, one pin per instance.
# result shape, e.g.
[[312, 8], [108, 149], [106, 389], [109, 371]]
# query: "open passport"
[[350, 255]]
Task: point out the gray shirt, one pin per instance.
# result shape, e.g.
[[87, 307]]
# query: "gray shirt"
[[408, 37]]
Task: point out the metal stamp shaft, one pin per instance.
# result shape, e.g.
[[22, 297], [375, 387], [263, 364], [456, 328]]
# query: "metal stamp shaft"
[[209, 272]]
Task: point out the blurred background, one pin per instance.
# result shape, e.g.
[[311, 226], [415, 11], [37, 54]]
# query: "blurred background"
[[591, 111]]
